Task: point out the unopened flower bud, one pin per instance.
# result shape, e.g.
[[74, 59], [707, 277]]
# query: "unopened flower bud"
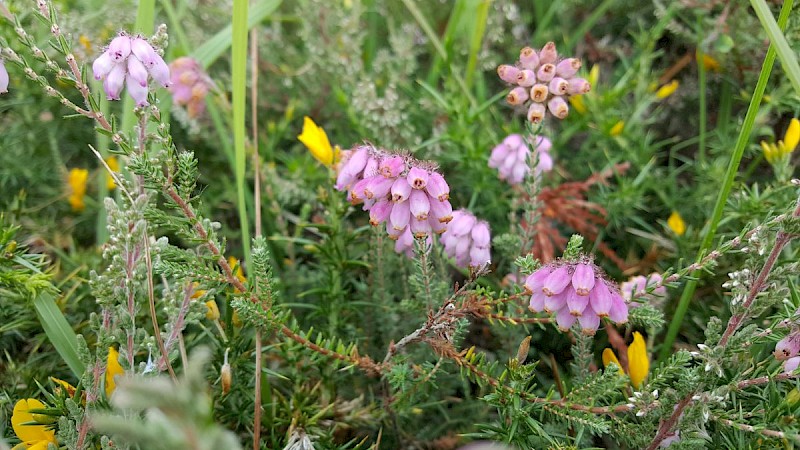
[[539, 93], [548, 55], [522, 351], [558, 107], [507, 73], [528, 58], [546, 72], [578, 86], [526, 78], [536, 112], [225, 375], [517, 96]]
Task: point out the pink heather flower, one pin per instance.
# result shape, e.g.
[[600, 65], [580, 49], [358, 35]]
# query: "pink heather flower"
[[468, 240], [129, 61], [543, 82], [791, 364], [510, 158], [3, 77], [575, 291], [636, 287], [189, 85], [788, 347], [406, 194]]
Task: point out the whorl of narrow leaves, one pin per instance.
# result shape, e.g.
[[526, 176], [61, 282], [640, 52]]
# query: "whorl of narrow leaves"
[[261, 274]]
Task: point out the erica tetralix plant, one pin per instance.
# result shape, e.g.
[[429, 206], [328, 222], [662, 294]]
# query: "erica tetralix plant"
[[409, 195], [468, 240], [576, 291], [543, 82]]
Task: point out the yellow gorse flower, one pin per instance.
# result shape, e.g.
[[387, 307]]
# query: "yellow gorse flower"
[[32, 434], [315, 139], [775, 152], [113, 368], [710, 63], [213, 310], [667, 89], [113, 164], [76, 182], [616, 130], [638, 361], [676, 223]]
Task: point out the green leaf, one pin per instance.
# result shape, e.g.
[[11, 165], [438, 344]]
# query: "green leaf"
[[59, 332]]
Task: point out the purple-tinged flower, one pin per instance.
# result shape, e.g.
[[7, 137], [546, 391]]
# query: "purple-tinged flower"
[[3, 77], [130, 61], [468, 240], [636, 287], [510, 158], [791, 364], [408, 195], [189, 85], [575, 291], [788, 347], [543, 81]]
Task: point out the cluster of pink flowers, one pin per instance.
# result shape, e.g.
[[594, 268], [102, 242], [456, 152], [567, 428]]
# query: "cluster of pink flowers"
[[788, 348], [468, 240], [189, 85], [543, 82], [410, 196], [576, 291], [636, 287], [510, 158], [3, 77], [130, 61]]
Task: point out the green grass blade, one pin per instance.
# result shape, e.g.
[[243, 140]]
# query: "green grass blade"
[[215, 47], [778, 41], [479, 28], [730, 175], [239, 85], [426, 28], [59, 332]]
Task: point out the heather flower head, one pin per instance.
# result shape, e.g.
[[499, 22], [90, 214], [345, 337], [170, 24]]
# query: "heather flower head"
[[468, 240], [3, 77], [510, 158], [576, 291], [130, 61], [406, 194], [189, 85], [543, 82], [636, 287]]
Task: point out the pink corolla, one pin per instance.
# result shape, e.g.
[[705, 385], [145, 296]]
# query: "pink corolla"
[[3, 77], [510, 158], [189, 85], [408, 195], [637, 287], [130, 61], [576, 291], [468, 240], [543, 82]]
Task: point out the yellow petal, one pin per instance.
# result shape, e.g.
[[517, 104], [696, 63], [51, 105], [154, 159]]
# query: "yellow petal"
[[769, 151], [709, 62], [792, 136], [667, 89], [30, 434], [76, 188], [609, 357], [676, 223], [113, 368], [594, 75], [315, 139], [213, 310], [67, 387], [616, 130], [638, 362], [577, 104], [113, 164]]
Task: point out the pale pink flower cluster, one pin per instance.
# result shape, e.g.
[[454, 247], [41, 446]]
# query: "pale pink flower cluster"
[[636, 287], [410, 196], [189, 85], [543, 82], [576, 291], [510, 158], [468, 240], [3, 77], [788, 348], [130, 61]]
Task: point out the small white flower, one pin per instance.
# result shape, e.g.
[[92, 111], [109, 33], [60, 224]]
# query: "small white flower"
[[640, 413], [702, 347], [655, 393]]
